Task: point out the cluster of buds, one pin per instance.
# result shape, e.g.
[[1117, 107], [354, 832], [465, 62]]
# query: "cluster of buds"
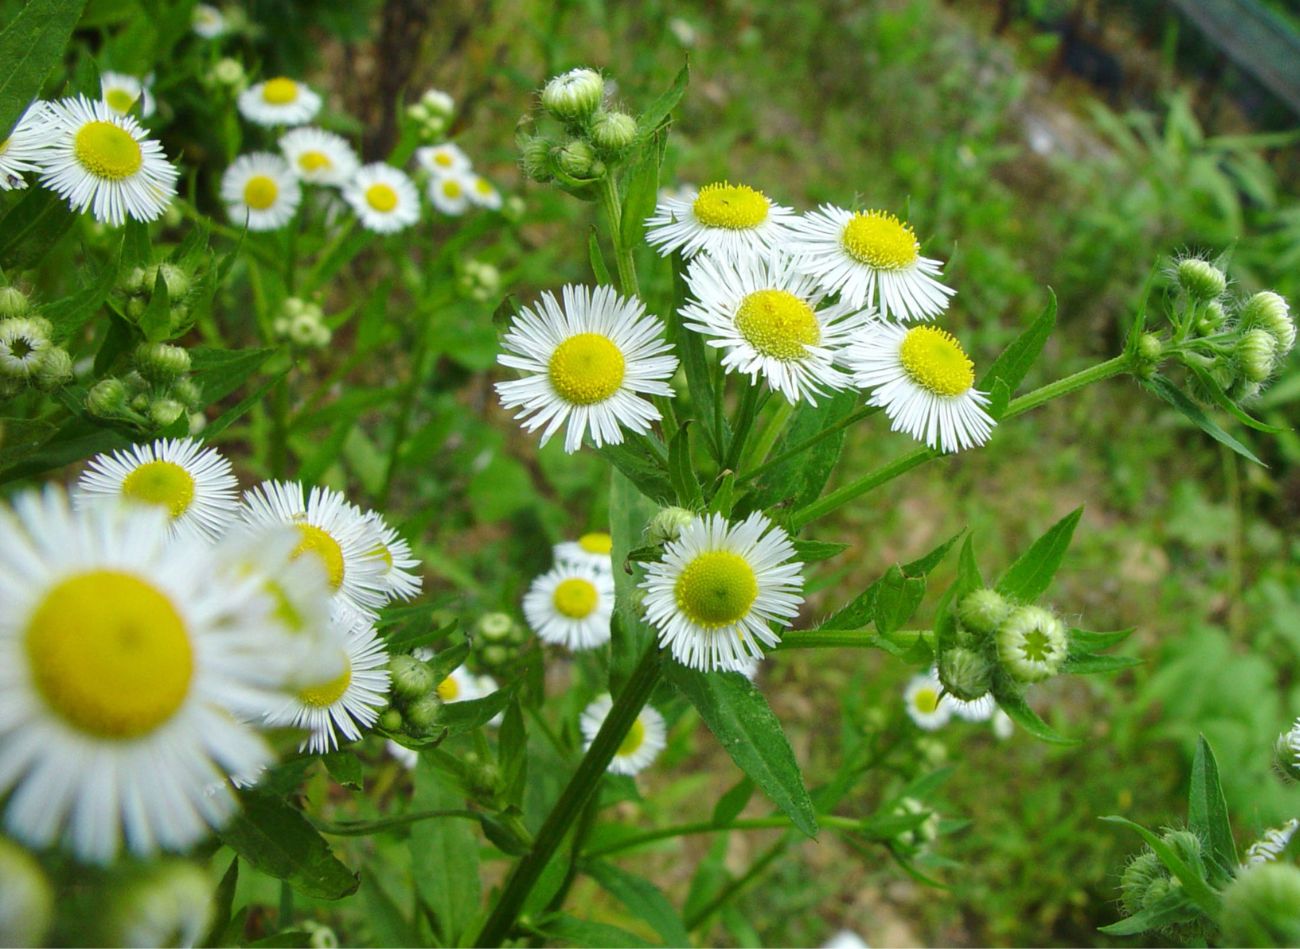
[[502, 639], [1147, 885], [431, 115], [28, 354], [1022, 642], [153, 395], [478, 280], [302, 323], [228, 74], [415, 706], [922, 835], [594, 138], [141, 283]]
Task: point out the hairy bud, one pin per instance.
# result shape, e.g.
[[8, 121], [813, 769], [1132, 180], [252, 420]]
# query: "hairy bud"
[[983, 611], [574, 95], [1200, 279], [1032, 644]]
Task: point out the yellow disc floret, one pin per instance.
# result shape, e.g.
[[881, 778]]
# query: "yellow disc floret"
[[164, 483], [325, 547], [280, 91], [926, 701], [110, 654], [634, 739], [716, 589], [880, 240], [314, 161], [778, 324], [443, 159], [734, 207], [452, 189], [935, 361], [119, 100], [381, 197], [449, 689], [575, 598], [596, 543], [260, 192], [586, 368], [107, 151], [327, 693]]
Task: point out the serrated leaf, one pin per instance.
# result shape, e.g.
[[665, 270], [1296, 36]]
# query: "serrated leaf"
[[1029, 577], [1018, 711], [1017, 359], [1207, 809], [640, 467], [643, 899], [1196, 888], [1194, 413], [31, 45], [279, 841]]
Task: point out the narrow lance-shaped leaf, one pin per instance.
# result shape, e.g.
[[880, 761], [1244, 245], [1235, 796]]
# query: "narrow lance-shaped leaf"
[[1029, 577], [1166, 390], [1207, 810], [1017, 359], [31, 45], [280, 842]]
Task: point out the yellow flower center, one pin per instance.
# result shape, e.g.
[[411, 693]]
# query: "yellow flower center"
[[327, 693], [575, 598], [109, 654], [4, 146], [716, 589], [778, 324], [381, 197], [586, 368], [314, 161], [280, 91], [926, 701], [482, 186], [285, 610], [448, 689], [260, 192], [452, 189], [164, 483], [119, 100], [1037, 647], [935, 361], [596, 543], [634, 739], [735, 207], [880, 240], [325, 547], [107, 151], [444, 159]]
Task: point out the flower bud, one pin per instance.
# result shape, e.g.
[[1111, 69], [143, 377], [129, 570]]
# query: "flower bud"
[[576, 158], [23, 343], [1150, 347], [667, 525], [983, 611], [965, 674], [1256, 354], [411, 677], [106, 398], [495, 627], [923, 833], [161, 362], [1032, 644], [423, 715], [175, 279], [1286, 753], [13, 302], [26, 899], [188, 391], [1187, 845], [390, 720], [54, 369], [163, 412], [613, 132], [1270, 312], [513, 208], [228, 72], [495, 655], [1200, 279], [167, 904], [535, 159], [1212, 318], [1135, 883], [320, 936], [574, 95], [438, 102], [1261, 907]]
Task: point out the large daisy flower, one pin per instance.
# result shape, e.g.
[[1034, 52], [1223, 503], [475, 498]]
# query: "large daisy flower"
[[719, 588], [869, 257], [450, 192], [262, 189], [925, 702], [384, 198], [765, 318], [21, 151], [279, 101], [592, 549], [588, 362], [195, 485], [642, 744], [123, 669], [721, 219], [123, 93], [401, 578], [442, 159], [319, 157], [571, 606], [925, 383], [102, 161]]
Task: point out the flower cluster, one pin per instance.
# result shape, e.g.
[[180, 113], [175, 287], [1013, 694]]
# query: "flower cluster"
[[302, 323], [594, 135], [418, 695], [432, 114], [153, 394], [453, 186]]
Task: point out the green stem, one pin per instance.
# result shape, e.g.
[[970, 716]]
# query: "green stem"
[[728, 892], [623, 261], [1084, 377], [865, 412], [418, 371], [286, 905], [583, 784], [841, 638], [769, 433], [752, 398], [364, 828], [708, 827]]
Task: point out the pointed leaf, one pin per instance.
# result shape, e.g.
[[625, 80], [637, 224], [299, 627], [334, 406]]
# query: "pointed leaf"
[[599, 269], [32, 227], [1166, 390], [279, 841], [814, 551], [1207, 810], [1196, 888], [1029, 577], [660, 108], [644, 900], [1087, 664], [444, 857], [1087, 641], [733, 801], [31, 45], [1018, 711], [1017, 359], [685, 482]]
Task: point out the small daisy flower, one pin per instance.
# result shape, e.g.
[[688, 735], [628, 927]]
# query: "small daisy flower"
[[195, 485], [444, 159], [400, 576], [722, 220], [261, 188], [589, 359], [925, 382], [331, 529], [124, 671], [21, 152], [592, 550], [450, 193], [384, 198], [207, 21], [101, 161], [319, 157], [279, 101], [350, 701], [645, 739], [765, 318], [482, 193], [123, 93], [926, 704], [461, 685], [870, 257], [719, 588], [23, 345], [571, 606], [976, 710]]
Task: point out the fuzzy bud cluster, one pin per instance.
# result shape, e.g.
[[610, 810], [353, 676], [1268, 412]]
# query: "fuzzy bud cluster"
[[156, 394], [502, 638], [1200, 279], [29, 356], [998, 638], [432, 115], [595, 137], [1147, 886], [302, 323], [478, 280], [140, 284]]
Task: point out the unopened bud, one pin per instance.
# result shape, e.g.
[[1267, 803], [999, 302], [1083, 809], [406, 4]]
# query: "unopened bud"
[[188, 391], [1135, 883], [495, 627], [106, 398], [1269, 312], [965, 674], [229, 72], [411, 678], [423, 715], [535, 159], [983, 611], [176, 280], [54, 369], [613, 132], [1212, 318], [1200, 279], [577, 159], [574, 95], [26, 899], [13, 302], [1032, 644], [390, 720], [1286, 753], [1150, 348], [495, 655], [164, 412], [167, 904], [161, 362], [667, 525], [1261, 907], [1256, 354]]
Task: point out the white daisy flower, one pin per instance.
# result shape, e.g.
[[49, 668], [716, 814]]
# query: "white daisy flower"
[[102, 161], [23, 345], [645, 739], [870, 257], [846, 939], [443, 159], [401, 578], [765, 318], [350, 701], [122, 93], [1270, 846], [261, 189], [925, 702], [482, 193], [976, 710], [21, 152], [592, 549], [319, 157], [461, 685], [925, 383], [719, 588], [571, 606], [721, 219], [207, 21], [450, 193], [383, 197], [588, 362], [195, 485], [123, 669], [169, 903], [331, 529], [279, 101]]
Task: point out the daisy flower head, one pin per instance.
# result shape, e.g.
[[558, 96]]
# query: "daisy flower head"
[[123, 93], [450, 192], [401, 579], [332, 531], [719, 588], [319, 157], [195, 485], [445, 159], [592, 549], [483, 193], [869, 257], [24, 343], [383, 197], [765, 317], [720, 219], [261, 189], [279, 101], [588, 358], [925, 382], [21, 151], [124, 669], [461, 685], [976, 710], [644, 740], [101, 161], [925, 702], [207, 21], [571, 606]]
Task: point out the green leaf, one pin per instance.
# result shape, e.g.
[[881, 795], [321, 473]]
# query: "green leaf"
[[642, 182], [223, 901], [345, 768], [922, 566], [512, 754], [136, 250], [279, 841], [690, 347], [860, 611], [968, 579], [634, 459], [1029, 577], [629, 513], [733, 801], [571, 931], [662, 107], [1222, 400], [1207, 810], [1174, 911], [643, 900], [897, 598], [1016, 360], [814, 551], [1196, 888], [1086, 641], [32, 227], [156, 320], [746, 727], [72, 312], [31, 45], [444, 858], [681, 471], [460, 717], [1019, 712], [1165, 389], [1087, 664], [388, 927], [599, 269], [799, 480], [221, 371], [445, 661]]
